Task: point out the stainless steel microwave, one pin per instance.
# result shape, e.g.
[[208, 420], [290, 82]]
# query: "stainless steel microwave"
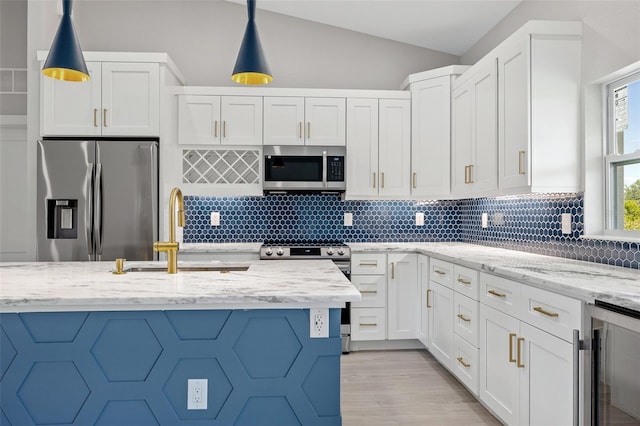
[[304, 168]]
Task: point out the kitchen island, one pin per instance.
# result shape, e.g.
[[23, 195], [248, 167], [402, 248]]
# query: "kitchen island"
[[80, 345]]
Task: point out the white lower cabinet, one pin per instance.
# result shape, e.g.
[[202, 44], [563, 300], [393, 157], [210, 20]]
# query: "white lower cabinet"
[[368, 324], [423, 300], [441, 323], [466, 364], [526, 373], [402, 291]]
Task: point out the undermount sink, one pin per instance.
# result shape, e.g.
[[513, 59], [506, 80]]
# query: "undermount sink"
[[221, 269]]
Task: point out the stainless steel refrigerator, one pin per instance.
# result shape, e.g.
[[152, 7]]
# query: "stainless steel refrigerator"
[[97, 199]]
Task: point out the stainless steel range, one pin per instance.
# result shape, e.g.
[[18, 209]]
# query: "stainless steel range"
[[336, 251]]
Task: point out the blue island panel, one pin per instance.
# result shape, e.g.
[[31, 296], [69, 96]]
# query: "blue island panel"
[[131, 368]]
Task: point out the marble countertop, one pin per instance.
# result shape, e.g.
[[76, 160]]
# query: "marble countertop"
[[65, 286], [586, 281]]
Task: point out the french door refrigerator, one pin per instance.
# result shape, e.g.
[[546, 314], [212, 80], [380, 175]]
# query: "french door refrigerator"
[[97, 199]]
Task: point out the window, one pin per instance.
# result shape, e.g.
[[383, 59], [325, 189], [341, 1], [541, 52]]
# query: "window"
[[622, 157]]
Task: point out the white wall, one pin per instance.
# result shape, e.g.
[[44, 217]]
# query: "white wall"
[[611, 31]]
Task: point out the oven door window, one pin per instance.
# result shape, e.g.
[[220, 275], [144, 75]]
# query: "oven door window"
[[293, 168]]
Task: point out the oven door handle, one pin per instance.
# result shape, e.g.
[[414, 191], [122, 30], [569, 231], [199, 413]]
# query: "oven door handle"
[[324, 169]]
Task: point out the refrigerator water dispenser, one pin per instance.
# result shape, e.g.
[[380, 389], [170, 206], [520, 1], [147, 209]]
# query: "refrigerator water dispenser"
[[62, 219]]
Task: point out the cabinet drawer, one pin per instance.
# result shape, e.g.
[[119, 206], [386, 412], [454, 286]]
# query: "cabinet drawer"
[[500, 293], [466, 281], [465, 318], [368, 263], [441, 272], [368, 324], [554, 313], [465, 364], [373, 289]]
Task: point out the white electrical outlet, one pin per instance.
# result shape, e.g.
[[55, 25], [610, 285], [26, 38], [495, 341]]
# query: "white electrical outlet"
[[565, 220], [348, 219], [215, 218], [319, 322], [419, 219], [197, 394], [485, 220]]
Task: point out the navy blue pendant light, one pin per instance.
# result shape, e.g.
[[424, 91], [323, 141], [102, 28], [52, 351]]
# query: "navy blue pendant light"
[[65, 60], [251, 66]]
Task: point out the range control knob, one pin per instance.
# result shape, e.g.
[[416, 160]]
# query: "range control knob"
[[341, 252], [329, 251], [268, 251], [280, 251]]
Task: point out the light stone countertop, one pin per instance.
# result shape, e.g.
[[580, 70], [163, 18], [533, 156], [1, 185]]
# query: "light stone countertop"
[[72, 286]]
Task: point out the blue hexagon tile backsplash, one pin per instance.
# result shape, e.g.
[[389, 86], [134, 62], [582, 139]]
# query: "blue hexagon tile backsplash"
[[528, 223]]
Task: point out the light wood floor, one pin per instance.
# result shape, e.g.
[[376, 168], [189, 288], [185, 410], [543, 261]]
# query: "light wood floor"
[[405, 388]]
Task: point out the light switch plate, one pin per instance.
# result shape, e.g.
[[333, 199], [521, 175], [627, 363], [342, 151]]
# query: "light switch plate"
[[485, 220], [348, 219], [215, 218], [419, 219]]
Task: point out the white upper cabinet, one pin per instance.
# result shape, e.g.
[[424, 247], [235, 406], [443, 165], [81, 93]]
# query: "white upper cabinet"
[[221, 120], [431, 132], [378, 148], [325, 121], [539, 113], [120, 99], [474, 141], [284, 120]]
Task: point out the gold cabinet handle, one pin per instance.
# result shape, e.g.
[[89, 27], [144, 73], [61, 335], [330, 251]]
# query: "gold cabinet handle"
[[215, 129], [519, 363], [368, 264], [104, 117], [374, 179], [466, 174], [308, 130], [95, 117], [521, 162], [368, 324], [511, 336], [463, 318], [224, 128], [495, 293], [382, 180], [439, 272], [470, 173], [299, 129], [461, 361], [545, 312], [428, 298], [415, 180], [393, 270], [463, 281], [368, 291]]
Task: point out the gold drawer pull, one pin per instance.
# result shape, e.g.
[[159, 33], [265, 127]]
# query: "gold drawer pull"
[[368, 324], [368, 291], [224, 128], [463, 281], [519, 363], [439, 272], [382, 180], [471, 173], [461, 361], [368, 263], [428, 298], [463, 318], [95, 117], [545, 312], [521, 162], [511, 336], [215, 129], [495, 293], [415, 180], [104, 117]]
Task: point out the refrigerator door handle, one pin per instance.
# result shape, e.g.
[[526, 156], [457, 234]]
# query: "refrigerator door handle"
[[89, 217], [98, 211]]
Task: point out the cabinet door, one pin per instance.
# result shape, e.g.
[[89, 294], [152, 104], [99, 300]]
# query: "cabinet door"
[[499, 375], [431, 138], [465, 320], [402, 292], [71, 108], [513, 108], [198, 119], [325, 121], [424, 299], [241, 120], [368, 324], [394, 156], [362, 147], [461, 139], [130, 99], [373, 289], [484, 171], [441, 324], [546, 383], [283, 120]]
